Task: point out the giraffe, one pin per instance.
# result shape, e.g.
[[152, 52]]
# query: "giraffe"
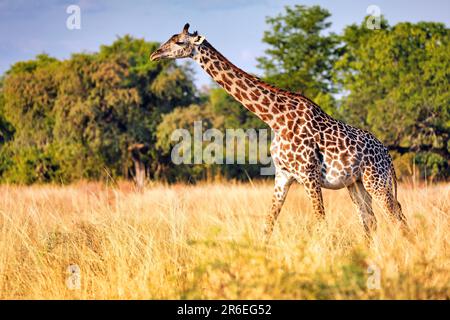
[[309, 146]]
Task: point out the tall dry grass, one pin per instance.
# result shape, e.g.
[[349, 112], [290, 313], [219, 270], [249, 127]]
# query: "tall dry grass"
[[206, 242]]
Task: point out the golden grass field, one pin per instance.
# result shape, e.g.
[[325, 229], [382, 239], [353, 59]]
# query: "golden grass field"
[[205, 242]]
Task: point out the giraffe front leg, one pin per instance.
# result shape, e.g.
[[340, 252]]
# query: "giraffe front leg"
[[314, 193], [283, 181]]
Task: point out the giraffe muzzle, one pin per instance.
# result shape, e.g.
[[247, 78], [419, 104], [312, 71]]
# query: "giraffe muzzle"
[[157, 55]]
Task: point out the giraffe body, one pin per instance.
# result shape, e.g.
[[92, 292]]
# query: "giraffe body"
[[309, 146]]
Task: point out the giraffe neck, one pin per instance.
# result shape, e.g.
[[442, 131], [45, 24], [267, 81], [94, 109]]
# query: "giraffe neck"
[[267, 102]]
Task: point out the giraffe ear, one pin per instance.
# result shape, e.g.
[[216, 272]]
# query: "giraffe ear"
[[186, 28], [198, 40]]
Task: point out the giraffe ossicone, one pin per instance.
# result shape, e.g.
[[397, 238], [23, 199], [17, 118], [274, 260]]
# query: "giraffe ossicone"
[[309, 145]]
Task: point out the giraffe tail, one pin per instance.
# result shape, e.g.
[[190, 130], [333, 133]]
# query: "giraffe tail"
[[400, 216], [394, 180]]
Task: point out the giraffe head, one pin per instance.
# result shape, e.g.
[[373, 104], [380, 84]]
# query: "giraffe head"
[[180, 45]]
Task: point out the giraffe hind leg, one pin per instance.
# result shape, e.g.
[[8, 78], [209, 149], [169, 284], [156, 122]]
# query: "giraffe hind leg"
[[381, 189], [363, 203], [393, 208]]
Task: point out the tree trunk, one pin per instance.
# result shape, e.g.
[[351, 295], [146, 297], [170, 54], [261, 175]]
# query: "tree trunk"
[[139, 176], [139, 167]]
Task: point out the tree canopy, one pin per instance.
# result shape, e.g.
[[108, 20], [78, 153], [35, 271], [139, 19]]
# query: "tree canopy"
[[393, 81], [398, 81], [300, 54], [77, 118]]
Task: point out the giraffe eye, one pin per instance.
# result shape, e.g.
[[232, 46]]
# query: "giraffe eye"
[[180, 43]]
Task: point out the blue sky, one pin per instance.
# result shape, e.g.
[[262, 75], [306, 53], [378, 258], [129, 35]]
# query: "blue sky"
[[235, 27]]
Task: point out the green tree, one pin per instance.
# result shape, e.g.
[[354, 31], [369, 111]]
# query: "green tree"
[[6, 134], [397, 80], [29, 92], [79, 118], [6, 129], [220, 111], [301, 56], [184, 119]]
